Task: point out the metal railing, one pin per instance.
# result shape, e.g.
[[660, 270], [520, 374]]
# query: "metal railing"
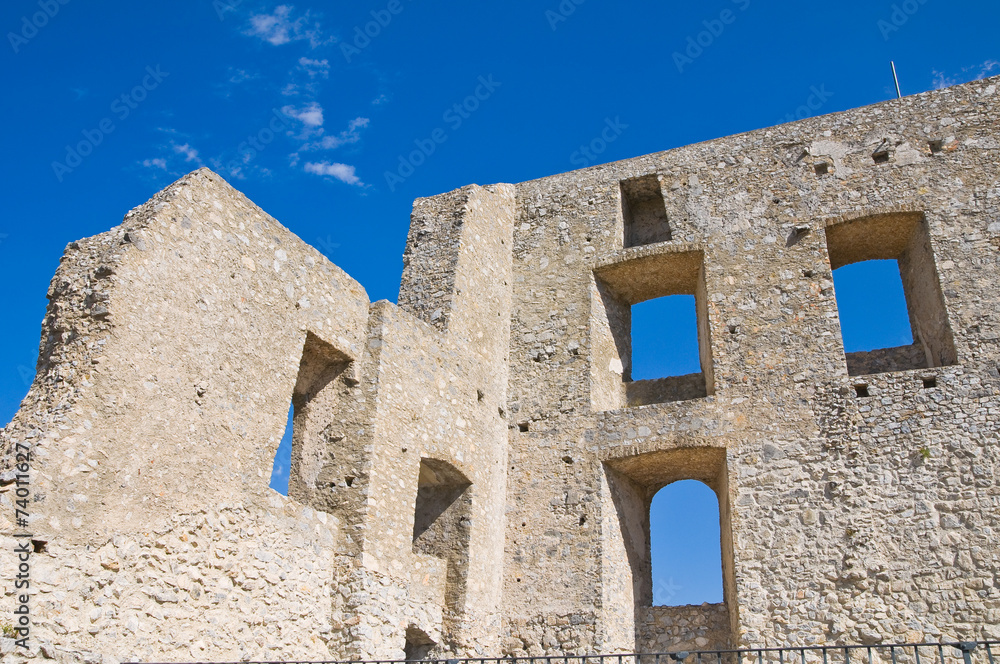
[[963, 652]]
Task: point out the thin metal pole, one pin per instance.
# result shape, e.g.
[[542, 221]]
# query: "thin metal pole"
[[895, 78]]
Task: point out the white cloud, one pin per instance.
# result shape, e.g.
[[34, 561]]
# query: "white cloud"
[[315, 68], [190, 154], [159, 162], [350, 135], [237, 76], [973, 73], [381, 99], [988, 68], [311, 115], [279, 27], [342, 172]]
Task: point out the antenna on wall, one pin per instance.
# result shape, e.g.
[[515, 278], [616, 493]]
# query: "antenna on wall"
[[895, 78]]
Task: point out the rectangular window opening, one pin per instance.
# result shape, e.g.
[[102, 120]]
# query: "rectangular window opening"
[[881, 157], [644, 211], [652, 342], [311, 433], [822, 168], [892, 311], [665, 338]]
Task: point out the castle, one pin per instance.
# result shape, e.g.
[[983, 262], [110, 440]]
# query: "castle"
[[472, 467]]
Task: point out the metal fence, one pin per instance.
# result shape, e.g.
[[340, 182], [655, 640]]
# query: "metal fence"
[[964, 652]]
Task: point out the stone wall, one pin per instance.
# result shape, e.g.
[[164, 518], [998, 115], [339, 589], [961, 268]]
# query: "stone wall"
[[677, 628], [472, 470], [850, 518]]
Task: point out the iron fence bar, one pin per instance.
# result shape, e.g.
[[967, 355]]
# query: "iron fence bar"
[[967, 647], [738, 656]]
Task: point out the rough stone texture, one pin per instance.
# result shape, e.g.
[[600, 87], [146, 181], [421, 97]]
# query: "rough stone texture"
[[473, 469], [674, 628]]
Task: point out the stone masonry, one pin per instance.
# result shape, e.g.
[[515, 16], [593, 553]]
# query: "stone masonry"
[[473, 467]]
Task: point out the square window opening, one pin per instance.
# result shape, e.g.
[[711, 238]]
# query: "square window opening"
[[644, 212], [892, 311], [651, 339], [872, 306], [822, 168], [665, 338], [881, 157]]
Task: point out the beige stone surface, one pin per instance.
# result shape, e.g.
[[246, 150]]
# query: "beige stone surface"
[[472, 469]]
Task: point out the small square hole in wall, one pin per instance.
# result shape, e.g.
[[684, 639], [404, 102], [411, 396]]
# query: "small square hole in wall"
[[881, 157], [822, 168], [929, 382], [644, 211], [523, 427], [935, 146], [861, 391]]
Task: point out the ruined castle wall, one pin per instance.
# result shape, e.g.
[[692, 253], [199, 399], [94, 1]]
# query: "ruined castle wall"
[[169, 354], [439, 384], [852, 518], [472, 470]]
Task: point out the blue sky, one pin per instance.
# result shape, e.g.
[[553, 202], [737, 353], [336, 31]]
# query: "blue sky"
[[333, 117]]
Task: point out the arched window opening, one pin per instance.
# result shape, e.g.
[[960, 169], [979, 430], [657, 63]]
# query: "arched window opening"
[[418, 644], [685, 545]]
